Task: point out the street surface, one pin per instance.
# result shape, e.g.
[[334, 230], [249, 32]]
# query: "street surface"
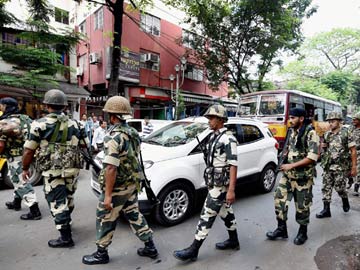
[[23, 244]]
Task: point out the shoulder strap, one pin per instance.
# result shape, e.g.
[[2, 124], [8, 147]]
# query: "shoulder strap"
[[214, 143]]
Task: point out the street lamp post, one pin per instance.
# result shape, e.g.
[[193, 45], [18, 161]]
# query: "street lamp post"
[[179, 68]]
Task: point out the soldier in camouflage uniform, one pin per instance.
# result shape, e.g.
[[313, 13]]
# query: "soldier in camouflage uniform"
[[54, 140], [298, 177], [220, 177], [355, 133], [11, 147], [338, 144], [120, 183]]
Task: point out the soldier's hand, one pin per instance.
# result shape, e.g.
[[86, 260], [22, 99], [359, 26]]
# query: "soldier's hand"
[[108, 203], [286, 167], [26, 175], [230, 197]]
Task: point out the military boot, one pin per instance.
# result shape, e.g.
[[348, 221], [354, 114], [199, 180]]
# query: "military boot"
[[280, 231], [346, 204], [34, 213], [64, 240], [149, 250], [301, 237], [356, 189], [101, 256], [325, 212], [231, 243], [15, 204], [190, 253]]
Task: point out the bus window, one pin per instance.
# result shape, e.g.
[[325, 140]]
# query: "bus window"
[[319, 115], [272, 104], [248, 106]]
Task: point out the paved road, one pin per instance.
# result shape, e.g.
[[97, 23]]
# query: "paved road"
[[23, 245]]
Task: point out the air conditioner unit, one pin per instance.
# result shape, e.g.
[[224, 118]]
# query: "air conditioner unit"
[[143, 57], [79, 71], [151, 57], [94, 58]]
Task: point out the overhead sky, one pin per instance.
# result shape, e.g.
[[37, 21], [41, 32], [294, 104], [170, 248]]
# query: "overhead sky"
[[333, 14]]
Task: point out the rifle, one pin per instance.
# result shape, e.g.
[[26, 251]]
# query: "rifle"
[[145, 183], [89, 160], [202, 150], [282, 157]]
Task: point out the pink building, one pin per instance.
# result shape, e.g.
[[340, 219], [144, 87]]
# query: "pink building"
[[152, 47]]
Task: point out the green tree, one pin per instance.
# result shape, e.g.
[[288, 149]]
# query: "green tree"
[[240, 40]]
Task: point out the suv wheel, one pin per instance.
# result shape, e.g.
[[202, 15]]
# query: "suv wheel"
[[267, 179], [34, 178], [176, 202]]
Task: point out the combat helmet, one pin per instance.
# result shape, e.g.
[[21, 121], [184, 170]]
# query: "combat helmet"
[[357, 116], [55, 97], [118, 105], [334, 116], [216, 110]]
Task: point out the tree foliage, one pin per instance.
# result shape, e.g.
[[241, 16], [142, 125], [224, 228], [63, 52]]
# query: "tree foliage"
[[240, 40]]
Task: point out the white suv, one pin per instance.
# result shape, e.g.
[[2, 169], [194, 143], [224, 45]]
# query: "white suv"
[[174, 163]]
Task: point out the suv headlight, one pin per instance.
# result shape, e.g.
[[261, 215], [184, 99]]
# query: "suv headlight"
[[148, 164]]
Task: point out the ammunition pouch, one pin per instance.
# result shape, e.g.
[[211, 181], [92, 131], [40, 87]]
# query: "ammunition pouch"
[[62, 157], [217, 176]]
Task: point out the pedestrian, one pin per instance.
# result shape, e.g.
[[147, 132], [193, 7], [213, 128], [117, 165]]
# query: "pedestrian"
[[56, 139], [11, 146], [147, 127], [120, 182], [220, 177], [99, 135], [355, 133], [338, 157], [298, 177]]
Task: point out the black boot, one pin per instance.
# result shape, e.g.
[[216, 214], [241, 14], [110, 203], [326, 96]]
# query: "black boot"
[[325, 212], [15, 204], [190, 253], [346, 205], [231, 243], [34, 213], [356, 189], [301, 236], [280, 231], [64, 240], [149, 250], [101, 256]]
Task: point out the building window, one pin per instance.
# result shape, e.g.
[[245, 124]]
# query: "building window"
[[188, 39], [149, 60], [82, 28], [99, 19], [150, 24], [12, 39], [61, 16], [194, 73]]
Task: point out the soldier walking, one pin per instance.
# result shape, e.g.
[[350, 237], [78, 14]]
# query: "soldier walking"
[[298, 177], [220, 176], [355, 133], [338, 144], [55, 140], [11, 146], [120, 183]]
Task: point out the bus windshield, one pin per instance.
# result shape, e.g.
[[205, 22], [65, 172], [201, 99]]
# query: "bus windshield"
[[272, 104], [248, 105]]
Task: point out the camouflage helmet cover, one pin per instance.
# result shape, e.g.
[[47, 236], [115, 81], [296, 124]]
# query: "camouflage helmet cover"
[[216, 110], [55, 97], [118, 105], [357, 116], [334, 116]]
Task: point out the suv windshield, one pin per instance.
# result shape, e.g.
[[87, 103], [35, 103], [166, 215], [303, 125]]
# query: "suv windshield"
[[176, 133]]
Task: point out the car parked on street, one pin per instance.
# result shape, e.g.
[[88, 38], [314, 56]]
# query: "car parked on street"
[[174, 163]]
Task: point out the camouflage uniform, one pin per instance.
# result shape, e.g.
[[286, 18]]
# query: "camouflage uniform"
[[355, 133], [225, 154], [122, 146], [13, 154], [297, 183], [336, 163], [59, 183]]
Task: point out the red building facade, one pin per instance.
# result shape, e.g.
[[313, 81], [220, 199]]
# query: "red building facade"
[[151, 49]]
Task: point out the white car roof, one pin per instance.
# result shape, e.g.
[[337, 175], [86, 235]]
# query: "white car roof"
[[231, 120]]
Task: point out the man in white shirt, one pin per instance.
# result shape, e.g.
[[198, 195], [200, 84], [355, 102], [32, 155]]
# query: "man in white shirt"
[[99, 134], [148, 127]]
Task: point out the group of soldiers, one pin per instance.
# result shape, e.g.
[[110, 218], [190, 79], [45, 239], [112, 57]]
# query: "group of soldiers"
[[53, 143]]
